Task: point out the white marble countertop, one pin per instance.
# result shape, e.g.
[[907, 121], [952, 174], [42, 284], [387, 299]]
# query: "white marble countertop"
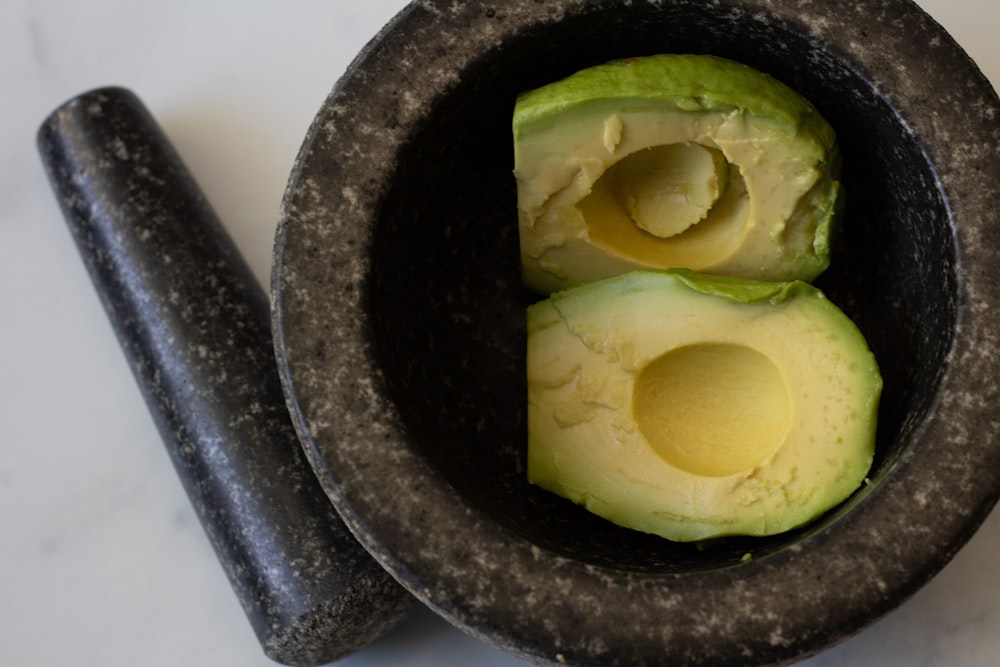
[[102, 560]]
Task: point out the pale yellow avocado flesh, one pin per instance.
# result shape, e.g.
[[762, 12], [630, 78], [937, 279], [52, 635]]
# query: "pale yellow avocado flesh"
[[693, 406], [672, 161]]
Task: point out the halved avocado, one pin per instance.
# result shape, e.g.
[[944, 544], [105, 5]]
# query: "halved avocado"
[[695, 406], [665, 161]]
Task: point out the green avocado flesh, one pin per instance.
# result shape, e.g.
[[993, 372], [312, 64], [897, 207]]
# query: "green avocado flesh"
[[672, 161], [695, 406]]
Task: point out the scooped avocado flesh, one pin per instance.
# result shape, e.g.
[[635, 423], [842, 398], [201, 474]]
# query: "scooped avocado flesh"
[[668, 161], [695, 406]]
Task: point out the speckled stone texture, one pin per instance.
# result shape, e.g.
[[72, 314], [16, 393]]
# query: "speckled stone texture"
[[400, 328], [194, 326]]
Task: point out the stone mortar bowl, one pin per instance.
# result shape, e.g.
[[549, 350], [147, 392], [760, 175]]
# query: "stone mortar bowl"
[[399, 326]]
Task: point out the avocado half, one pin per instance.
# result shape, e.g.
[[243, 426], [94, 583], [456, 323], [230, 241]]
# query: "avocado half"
[[695, 406], [664, 161]]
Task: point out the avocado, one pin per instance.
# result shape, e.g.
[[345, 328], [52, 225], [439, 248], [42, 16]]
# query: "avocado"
[[694, 406], [674, 160]]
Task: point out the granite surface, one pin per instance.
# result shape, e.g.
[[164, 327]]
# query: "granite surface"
[[104, 559]]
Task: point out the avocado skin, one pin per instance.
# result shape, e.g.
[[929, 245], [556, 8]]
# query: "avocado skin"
[[678, 81]]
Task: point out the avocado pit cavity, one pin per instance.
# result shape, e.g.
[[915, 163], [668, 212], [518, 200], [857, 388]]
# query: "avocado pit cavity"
[[667, 189], [712, 409]]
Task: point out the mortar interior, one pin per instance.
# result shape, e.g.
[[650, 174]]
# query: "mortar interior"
[[447, 306]]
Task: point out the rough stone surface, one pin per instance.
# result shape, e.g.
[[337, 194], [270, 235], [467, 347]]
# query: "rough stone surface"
[[399, 322], [194, 326]]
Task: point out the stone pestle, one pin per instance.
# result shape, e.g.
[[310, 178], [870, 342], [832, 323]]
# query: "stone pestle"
[[194, 325]]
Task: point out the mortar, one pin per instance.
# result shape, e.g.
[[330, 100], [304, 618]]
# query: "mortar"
[[399, 321]]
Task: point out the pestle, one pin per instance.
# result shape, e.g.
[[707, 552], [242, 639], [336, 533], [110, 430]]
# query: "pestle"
[[194, 325]]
